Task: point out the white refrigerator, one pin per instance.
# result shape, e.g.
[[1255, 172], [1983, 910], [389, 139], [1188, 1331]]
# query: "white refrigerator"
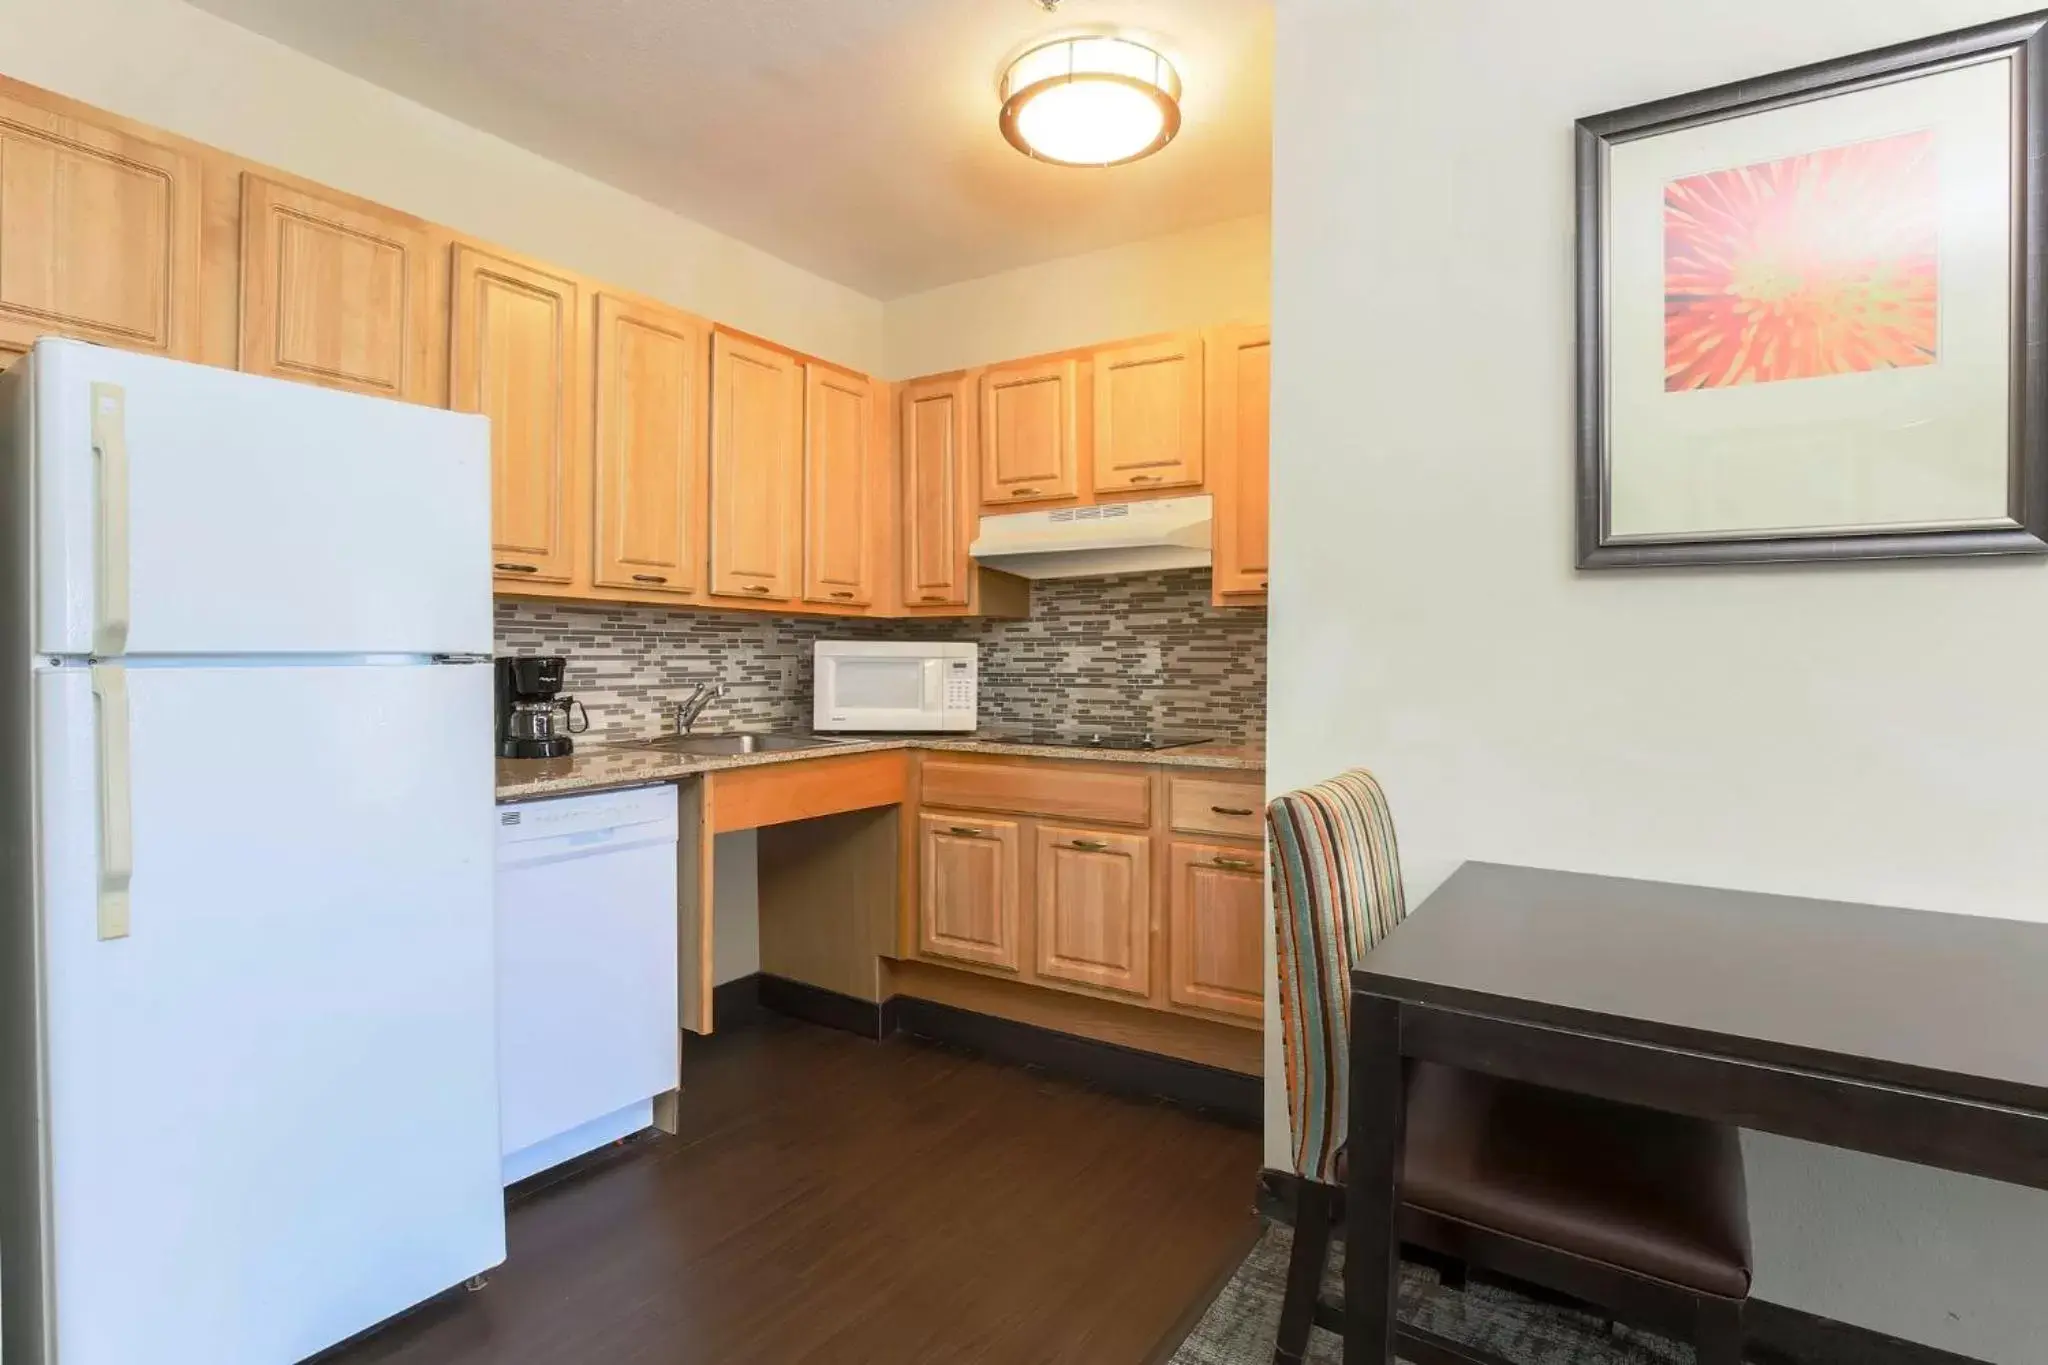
[[247, 1036]]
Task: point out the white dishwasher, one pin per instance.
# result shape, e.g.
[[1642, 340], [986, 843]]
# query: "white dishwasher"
[[587, 1017]]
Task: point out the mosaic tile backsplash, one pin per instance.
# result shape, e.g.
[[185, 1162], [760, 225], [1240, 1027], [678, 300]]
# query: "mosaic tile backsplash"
[[1119, 655]]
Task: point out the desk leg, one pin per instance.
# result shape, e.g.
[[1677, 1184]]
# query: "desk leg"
[[1379, 1120]]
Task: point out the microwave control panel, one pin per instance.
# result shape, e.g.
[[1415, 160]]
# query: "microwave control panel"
[[959, 685]]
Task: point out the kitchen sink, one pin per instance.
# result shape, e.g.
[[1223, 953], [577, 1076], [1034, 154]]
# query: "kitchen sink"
[[739, 742]]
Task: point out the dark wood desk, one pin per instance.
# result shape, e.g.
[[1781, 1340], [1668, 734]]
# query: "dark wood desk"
[[1912, 1035]]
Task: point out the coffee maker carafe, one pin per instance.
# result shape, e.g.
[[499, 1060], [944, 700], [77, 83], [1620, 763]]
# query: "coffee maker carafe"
[[535, 718]]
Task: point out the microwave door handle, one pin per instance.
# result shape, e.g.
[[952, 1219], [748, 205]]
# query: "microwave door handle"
[[934, 686]]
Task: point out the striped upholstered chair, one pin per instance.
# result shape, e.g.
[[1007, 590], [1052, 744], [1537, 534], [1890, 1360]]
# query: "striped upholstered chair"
[[1640, 1213]]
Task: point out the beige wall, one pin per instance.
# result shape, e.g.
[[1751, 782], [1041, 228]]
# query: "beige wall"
[[1210, 275], [1873, 733], [175, 67]]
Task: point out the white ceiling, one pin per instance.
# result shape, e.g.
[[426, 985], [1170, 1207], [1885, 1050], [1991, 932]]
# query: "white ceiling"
[[856, 138]]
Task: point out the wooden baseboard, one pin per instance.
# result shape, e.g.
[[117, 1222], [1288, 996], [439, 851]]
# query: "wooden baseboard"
[[816, 1005], [1773, 1334], [1229, 1096], [1229, 1047], [737, 1003]]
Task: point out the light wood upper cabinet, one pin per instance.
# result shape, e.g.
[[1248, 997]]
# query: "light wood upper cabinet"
[[1239, 422], [333, 293], [969, 903], [1216, 929], [1148, 416], [843, 502], [938, 511], [513, 358], [1030, 433], [653, 434], [99, 234], [1094, 908], [757, 410]]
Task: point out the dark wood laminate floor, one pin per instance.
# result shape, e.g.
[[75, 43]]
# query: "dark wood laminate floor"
[[836, 1200]]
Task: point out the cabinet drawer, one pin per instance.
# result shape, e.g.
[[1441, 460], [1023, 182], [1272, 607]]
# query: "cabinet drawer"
[[1201, 805], [1089, 792]]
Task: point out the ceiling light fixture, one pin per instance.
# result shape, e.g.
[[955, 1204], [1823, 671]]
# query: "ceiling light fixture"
[[1090, 101]]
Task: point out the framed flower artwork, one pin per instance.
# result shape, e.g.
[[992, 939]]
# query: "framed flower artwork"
[[1811, 312]]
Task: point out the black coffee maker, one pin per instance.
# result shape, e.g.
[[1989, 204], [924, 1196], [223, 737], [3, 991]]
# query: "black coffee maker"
[[535, 718]]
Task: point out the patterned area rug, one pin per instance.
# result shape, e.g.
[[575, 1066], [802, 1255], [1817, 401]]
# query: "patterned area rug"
[[1239, 1327]]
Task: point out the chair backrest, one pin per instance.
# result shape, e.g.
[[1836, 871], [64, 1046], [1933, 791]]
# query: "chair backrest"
[[1336, 892]]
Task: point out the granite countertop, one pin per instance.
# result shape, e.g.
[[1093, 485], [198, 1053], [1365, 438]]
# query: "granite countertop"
[[600, 766]]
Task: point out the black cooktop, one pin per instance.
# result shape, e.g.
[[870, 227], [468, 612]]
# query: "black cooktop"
[[1060, 739]]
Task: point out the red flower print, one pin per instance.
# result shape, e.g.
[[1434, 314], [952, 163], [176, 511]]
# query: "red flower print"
[[1815, 265]]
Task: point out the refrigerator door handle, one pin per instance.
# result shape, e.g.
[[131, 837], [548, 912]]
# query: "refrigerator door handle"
[[110, 454], [117, 843]]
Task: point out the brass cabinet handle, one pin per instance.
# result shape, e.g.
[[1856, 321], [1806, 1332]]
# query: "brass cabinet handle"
[[967, 831], [1023, 492], [1144, 478], [1233, 810], [1237, 864], [649, 578], [1089, 846], [517, 568], [933, 597], [759, 587], [842, 594]]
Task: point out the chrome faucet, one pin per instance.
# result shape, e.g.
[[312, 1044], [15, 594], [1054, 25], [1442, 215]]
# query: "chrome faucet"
[[692, 706]]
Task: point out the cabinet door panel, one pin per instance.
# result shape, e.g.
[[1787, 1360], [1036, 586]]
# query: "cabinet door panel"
[[1148, 416], [937, 510], [756, 467], [332, 294], [1239, 419], [99, 235], [1216, 929], [841, 515], [653, 430], [968, 906], [513, 359], [1029, 433], [1094, 908]]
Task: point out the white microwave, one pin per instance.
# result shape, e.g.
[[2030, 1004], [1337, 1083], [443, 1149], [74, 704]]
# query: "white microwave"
[[894, 685]]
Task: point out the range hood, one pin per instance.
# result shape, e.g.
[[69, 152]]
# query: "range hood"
[[1093, 542]]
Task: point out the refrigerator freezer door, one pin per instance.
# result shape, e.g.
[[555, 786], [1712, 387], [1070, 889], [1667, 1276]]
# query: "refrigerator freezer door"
[[272, 1106], [228, 513]]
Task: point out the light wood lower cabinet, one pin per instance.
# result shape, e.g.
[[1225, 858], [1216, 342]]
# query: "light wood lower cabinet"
[[334, 293], [1094, 904], [99, 234], [757, 414], [1216, 929], [653, 414], [1154, 915], [512, 358], [970, 899]]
